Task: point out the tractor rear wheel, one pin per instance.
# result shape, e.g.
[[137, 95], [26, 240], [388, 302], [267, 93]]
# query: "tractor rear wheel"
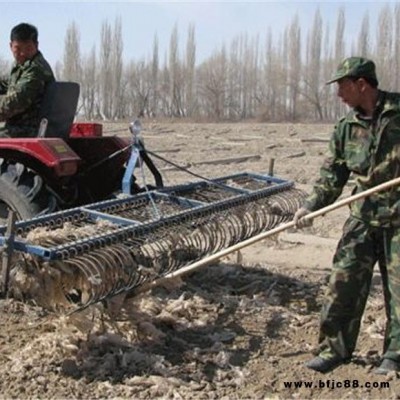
[[23, 191]]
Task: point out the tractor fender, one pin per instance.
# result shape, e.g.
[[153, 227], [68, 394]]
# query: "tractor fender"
[[53, 153]]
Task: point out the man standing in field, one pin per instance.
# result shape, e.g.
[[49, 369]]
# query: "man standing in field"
[[366, 144], [22, 93]]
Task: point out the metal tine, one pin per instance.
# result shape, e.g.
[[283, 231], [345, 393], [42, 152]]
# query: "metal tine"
[[80, 265], [112, 276], [206, 237], [98, 278], [127, 264], [102, 288], [229, 229], [121, 275]]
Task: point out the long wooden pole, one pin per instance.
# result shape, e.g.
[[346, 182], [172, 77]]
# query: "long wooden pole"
[[263, 235]]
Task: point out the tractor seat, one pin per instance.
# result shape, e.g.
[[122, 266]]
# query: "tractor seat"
[[58, 109]]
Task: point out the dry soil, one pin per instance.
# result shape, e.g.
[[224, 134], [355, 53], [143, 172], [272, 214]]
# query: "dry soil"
[[239, 329]]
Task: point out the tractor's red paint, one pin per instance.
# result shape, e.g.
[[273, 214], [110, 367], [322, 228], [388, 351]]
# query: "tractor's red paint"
[[84, 167], [86, 129], [51, 152]]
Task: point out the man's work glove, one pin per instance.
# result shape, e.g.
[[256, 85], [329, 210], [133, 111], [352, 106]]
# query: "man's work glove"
[[299, 220]]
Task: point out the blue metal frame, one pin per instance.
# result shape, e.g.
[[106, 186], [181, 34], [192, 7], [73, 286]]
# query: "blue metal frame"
[[130, 228], [128, 175]]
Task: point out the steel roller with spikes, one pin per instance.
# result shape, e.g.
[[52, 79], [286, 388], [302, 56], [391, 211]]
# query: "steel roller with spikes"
[[100, 250]]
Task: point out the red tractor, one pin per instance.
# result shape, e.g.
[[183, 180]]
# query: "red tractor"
[[67, 165]]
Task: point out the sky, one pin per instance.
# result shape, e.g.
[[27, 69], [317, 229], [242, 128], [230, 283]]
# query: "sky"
[[216, 22]]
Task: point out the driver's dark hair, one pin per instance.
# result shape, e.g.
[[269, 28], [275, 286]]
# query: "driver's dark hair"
[[24, 32]]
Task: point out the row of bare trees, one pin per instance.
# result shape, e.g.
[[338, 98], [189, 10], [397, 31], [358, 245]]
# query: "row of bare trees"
[[272, 79]]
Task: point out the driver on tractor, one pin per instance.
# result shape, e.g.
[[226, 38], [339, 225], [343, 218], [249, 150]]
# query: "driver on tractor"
[[22, 93]]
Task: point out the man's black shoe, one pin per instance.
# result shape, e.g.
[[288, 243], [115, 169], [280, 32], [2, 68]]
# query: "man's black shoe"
[[387, 366], [324, 364]]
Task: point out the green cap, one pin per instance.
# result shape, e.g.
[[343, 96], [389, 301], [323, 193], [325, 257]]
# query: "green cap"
[[356, 67]]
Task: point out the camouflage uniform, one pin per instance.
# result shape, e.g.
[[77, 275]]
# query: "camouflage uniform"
[[370, 150], [21, 96]]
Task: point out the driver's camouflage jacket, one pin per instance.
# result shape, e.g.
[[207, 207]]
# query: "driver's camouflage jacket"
[[21, 95]]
